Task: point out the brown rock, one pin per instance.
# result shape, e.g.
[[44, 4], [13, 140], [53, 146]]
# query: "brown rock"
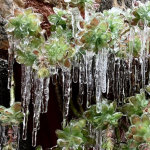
[[4, 45], [6, 8], [19, 4]]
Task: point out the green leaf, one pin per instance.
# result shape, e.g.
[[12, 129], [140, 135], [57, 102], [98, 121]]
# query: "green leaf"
[[117, 115], [82, 122], [19, 115], [53, 19], [62, 135], [53, 28], [62, 143], [133, 101], [28, 11], [104, 109], [32, 16], [77, 140], [33, 25], [59, 30], [145, 120], [9, 27], [13, 20], [76, 129], [142, 130], [103, 26]]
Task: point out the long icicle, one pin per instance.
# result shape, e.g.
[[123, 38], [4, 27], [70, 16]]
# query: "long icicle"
[[66, 93], [26, 96], [37, 107]]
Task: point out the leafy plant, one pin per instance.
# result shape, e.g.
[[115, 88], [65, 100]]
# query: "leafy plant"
[[136, 105], [12, 115], [74, 135], [24, 23], [139, 130], [107, 116]]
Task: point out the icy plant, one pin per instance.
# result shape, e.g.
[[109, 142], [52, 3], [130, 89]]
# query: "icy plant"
[[24, 23], [107, 116], [12, 115], [59, 51], [136, 105], [74, 135], [140, 14], [108, 53], [139, 133]]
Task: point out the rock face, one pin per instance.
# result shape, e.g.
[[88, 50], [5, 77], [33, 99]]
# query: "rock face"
[[6, 8], [4, 45]]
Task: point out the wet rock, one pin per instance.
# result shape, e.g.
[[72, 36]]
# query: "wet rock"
[[6, 8]]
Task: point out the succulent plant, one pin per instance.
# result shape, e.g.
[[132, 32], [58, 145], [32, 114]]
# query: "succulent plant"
[[136, 105], [107, 116], [95, 34], [140, 14], [74, 135], [139, 132], [24, 23], [115, 19], [60, 18], [58, 50], [12, 115]]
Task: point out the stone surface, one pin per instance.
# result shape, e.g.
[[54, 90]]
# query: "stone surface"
[[6, 8], [108, 4], [19, 3], [4, 45]]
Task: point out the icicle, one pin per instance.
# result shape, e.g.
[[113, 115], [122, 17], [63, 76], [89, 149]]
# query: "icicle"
[[26, 95], [98, 81], [89, 78], [74, 13], [81, 81], [66, 93], [131, 45], [104, 69], [3, 136], [10, 60], [37, 107], [46, 95]]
